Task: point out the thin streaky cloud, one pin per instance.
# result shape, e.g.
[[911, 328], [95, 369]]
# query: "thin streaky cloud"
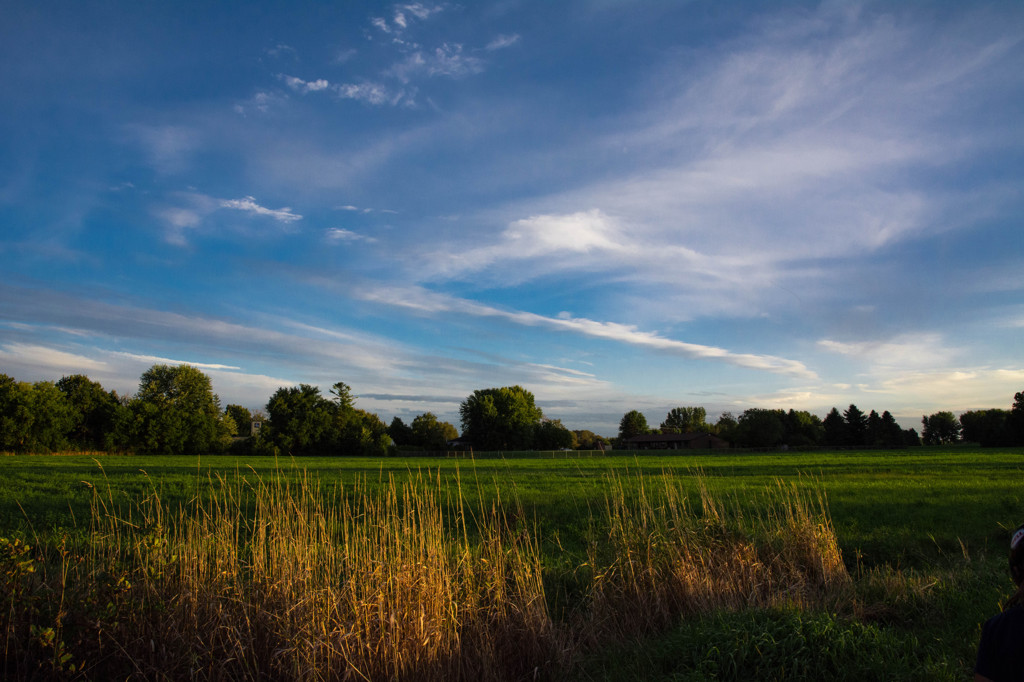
[[249, 205], [432, 303]]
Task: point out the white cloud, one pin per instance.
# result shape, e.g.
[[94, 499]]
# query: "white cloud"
[[906, 351], [426, 302], [249, 205], [371, 93], [338, 234], [502, 41], [304, 87], [49, 360], [153, 359]]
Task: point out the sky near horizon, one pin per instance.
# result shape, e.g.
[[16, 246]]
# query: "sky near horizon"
[[617, 205]]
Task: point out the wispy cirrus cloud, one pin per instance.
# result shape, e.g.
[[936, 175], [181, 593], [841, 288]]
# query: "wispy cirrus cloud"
[[503, 41], [425, 302], [249, 205], [339, 234]]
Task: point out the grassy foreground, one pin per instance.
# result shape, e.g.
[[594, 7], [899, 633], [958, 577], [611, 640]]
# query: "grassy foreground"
[[710, 567]]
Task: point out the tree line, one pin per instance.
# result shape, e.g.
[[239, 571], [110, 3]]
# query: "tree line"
[[760, 428], [175, 411]]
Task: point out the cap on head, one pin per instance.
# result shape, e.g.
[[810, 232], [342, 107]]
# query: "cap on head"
[[1017, 555]]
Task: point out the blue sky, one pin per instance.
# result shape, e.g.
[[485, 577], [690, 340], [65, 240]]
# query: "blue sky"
[[618, 205]]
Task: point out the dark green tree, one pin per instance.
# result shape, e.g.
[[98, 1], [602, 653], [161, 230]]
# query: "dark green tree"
[[241, 419], [856, 426], [988, 428], [761, 428], [1015, 421], [685, 420], [588, 440], [835, 428], [430, 433], [500, 418], [400, 432], [551, 435], [941, 428], [33, 417], [300, 421], [633, 423], [177, 412], [94, 412], [892, 434], [726, 426], [802, 429]]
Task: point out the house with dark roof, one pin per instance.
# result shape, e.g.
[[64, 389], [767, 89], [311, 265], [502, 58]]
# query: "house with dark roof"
[[675, 441]]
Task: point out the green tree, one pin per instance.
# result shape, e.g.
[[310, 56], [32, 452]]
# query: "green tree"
[[94, 412], [892, 434], [633, 423], [431, 434], [551, 435], [301, 421], [1015, 421], [500, 418], [177, 412], [33, 417], [802, 428], [726, 426], [988, 428], [241, 419], [685, 420], [835, 428], [588, 440], [761, 428], [856, 426], [941, 428], [400, 432]]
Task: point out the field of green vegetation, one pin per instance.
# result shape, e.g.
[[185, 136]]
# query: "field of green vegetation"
[[922, 535]]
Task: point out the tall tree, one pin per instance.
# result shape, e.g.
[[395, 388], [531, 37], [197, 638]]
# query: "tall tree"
[[301, 421], [1015, 421], [94, 412], [633, 423], [241, 418], [835, 428], [941, 428], [177, 412], [500, 418], [856, 426], [430, 433], [892, 434], [685, 420], [802, 428], [400, 432], [761, 428], [551, 435]]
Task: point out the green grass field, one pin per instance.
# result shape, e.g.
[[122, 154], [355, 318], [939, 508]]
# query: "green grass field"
[[923, 533]]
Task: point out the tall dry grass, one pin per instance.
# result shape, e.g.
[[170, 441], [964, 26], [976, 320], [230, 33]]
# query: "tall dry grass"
[[284, 580]]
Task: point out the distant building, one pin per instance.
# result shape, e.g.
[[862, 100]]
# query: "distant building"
[[254, 427], [675, 441]]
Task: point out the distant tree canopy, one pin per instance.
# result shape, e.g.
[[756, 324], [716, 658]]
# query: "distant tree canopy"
[[685, 420], [301, 421], [941, 428], [176, 412], [500, 418], [633, 423]]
